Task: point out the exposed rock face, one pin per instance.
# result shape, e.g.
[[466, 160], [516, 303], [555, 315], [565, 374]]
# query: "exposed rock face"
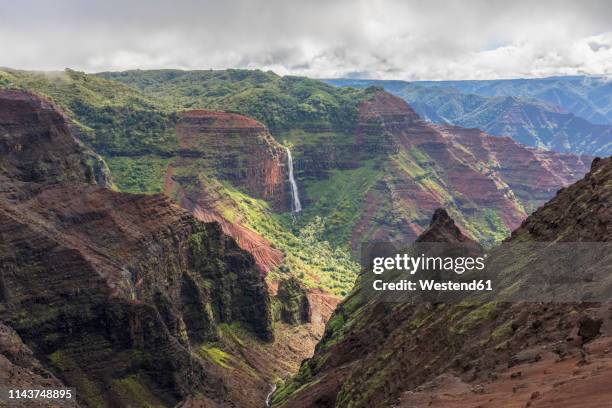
[[428, 166], [115, 293], [27, 120], [19, 369], [206, 204], [235, 148], [293, 302], [471, 353], [581, 212], [442, 229], [531, 174]]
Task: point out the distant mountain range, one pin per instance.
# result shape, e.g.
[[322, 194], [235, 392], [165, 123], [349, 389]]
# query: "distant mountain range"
[[566, 114], [149, 254]]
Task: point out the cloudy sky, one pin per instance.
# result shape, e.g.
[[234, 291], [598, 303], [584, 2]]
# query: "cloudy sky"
[[320, 38]]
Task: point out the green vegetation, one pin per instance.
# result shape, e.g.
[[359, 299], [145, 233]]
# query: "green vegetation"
[[308, 255], [295, 384], [502, 331], [281, 103], [341, 198], [216, 355], [6, 79], [192, 89], [481, 312], [113, 118], [487, 227], [132, 391], [233, 332], [88, 390], [140, 174]]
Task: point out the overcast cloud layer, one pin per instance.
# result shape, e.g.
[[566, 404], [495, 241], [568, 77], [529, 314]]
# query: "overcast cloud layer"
[[320, 38]]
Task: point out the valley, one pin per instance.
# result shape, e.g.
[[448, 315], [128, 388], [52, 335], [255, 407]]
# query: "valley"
[[215, 223], [565, 114]]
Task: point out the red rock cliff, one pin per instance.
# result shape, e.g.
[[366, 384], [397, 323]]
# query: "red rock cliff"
[[480, 178], [236, 148], [108, 288]]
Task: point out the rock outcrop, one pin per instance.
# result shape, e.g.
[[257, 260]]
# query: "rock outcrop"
[[236, 149], [581, 212], [473, 353], [487, 183], [19, 369], [118, 295], [293, 301], [28, 120]]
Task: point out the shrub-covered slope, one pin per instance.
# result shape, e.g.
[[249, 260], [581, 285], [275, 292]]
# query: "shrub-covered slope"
[[281, 103], [111, 117], [125, 297], [371, 172], [406, 354]]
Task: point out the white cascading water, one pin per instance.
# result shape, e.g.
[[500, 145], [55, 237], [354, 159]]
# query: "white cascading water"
[[296, 206]]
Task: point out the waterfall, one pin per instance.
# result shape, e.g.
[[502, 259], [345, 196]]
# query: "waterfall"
[[296, 206], [269, 396]]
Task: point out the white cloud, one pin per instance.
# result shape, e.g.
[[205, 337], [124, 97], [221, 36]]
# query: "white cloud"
[[320, 38]]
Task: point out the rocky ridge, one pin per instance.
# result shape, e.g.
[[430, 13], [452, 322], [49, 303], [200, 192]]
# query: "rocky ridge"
[[489, 184], [485, 353], [120, 295], [562, 115], [235, 148]]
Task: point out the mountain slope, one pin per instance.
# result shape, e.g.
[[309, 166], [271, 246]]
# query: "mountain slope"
[[529, 121], [585, 97], [405, 354], [350, 168], [397, 169], [109, 116], [280, 103], [126, 297]]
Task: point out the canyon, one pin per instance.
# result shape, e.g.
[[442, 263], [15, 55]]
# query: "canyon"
[[559, 114], [213, 237], [126, 297], [369, 164], [540, 354]]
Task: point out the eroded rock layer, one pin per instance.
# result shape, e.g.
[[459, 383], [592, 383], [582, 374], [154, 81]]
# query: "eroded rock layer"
[[487, 183], [119, 295], [232, 148], [536, 354], [235, 148]]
